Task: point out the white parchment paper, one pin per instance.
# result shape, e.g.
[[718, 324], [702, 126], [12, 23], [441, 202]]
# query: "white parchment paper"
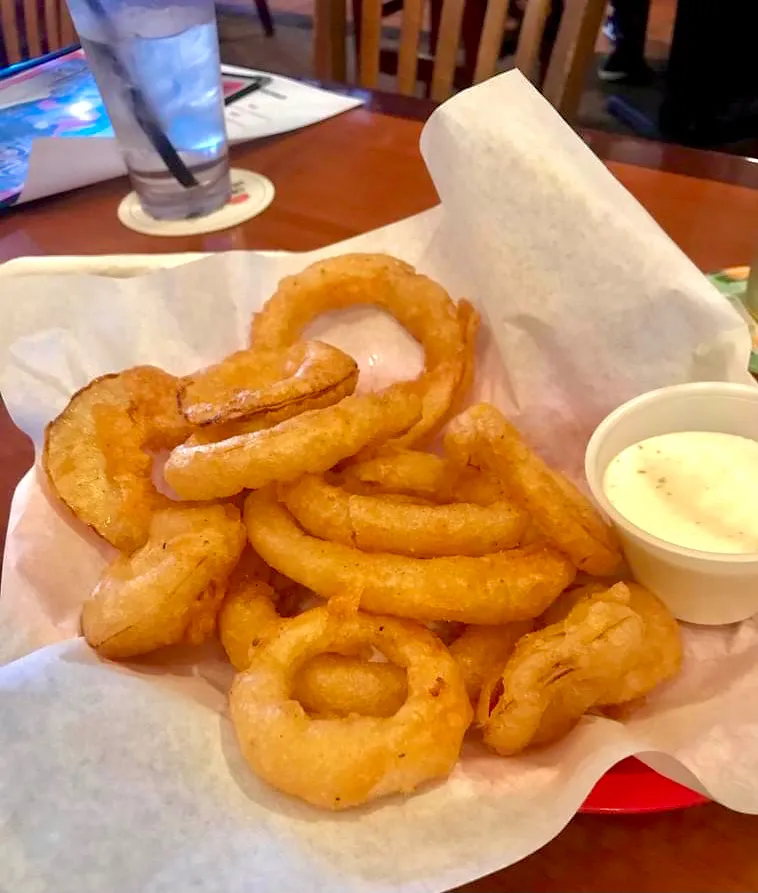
[[126, 777]]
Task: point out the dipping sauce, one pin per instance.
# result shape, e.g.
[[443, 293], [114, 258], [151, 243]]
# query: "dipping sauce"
[[697, 489]]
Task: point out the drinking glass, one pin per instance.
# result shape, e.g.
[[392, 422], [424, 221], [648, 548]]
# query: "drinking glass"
[[158, 70]]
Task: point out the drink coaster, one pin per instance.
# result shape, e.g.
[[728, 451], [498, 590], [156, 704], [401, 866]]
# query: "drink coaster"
[[251, 194]]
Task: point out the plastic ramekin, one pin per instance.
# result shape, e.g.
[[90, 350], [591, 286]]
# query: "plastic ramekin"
[[699, 587]]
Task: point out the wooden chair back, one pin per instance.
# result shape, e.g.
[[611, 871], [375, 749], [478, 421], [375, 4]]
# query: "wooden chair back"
[[26, 31], [570, 57]]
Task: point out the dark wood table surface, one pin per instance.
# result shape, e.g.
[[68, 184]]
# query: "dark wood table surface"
[[363, 170]]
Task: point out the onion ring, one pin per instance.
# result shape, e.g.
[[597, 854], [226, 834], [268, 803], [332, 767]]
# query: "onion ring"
[[417, 474], [340, 763], [329, 684], [469, 322], [169, 590], [247, 615], [555, 675], [481, 652], [482, 437], [515, 585], [446, 331], [257, 599], [341, 685], [225, 430], [253, 383], [376, 524], [97, 452], [661, 657], [407, 472], [312, 442]]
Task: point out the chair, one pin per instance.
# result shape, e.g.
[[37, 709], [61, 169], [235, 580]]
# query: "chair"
[[569, 59], [26, 31]]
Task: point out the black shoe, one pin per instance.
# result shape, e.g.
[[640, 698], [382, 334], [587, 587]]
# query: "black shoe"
[[622, 68]]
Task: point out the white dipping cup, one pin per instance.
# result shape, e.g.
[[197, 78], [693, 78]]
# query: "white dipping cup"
[[699, 587]]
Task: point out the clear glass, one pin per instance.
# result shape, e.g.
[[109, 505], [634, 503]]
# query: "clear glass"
[[157, 67]]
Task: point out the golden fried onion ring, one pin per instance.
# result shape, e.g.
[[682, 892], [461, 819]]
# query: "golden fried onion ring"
[[247, 616], [339, 763], [252, 383], [338, 685], [312, 442], [378, 524], [493, 589], [407, 472], [329, 684], [481, 652], [225, 430], [97, 451], [169, 590], [482, 437], [425, 475], [555, 675], [660, 659], [446, 331]]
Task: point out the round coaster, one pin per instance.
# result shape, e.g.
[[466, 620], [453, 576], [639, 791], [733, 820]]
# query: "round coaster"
[[251, 194]]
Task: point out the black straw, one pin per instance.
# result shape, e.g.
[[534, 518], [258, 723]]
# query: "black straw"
[[142, 111]]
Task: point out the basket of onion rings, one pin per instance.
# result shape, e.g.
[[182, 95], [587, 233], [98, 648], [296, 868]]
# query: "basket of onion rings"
[[389, 572]]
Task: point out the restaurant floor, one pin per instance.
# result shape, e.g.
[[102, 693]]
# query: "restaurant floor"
[[290, 50]]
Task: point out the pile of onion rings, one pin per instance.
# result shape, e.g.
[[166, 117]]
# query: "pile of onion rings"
[[373, 594]]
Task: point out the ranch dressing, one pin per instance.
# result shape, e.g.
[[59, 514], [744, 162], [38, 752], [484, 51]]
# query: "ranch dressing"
[[697, 489]]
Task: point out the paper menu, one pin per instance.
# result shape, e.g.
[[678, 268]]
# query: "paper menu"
[[93, 754], [280, 107]]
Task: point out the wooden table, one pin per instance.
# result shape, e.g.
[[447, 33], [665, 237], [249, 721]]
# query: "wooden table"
[[363, 170]]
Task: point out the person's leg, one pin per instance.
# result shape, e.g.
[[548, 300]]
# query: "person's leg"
[[630, 20], [609, 25], [627, 61]]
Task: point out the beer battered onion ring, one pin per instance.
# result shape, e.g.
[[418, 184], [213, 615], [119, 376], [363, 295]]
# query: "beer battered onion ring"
[[555, 675], [312, 442], [661, 658], [481, 652], [329, 684], [169, 590], [425, 475], [493, 589], [408, 472], [482, 437], [251, 383], [378, 524], [338, 685], [247, 616], [446, 331], [224, 430], [340, 763], [97, 452]]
